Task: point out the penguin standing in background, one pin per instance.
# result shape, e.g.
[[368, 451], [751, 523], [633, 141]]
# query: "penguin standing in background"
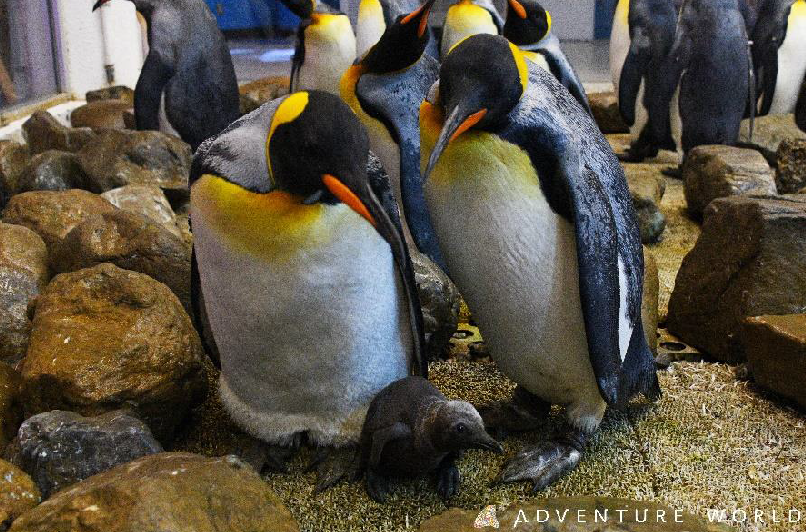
[[466, 18], [800, 111], [537, 227], [187, 86], [370, 26], [619, 41], [528, 26], [711, 63], [282, 197], [385, 90]]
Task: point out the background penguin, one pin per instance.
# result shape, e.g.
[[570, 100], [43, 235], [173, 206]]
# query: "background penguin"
[[369, 27], [283, 199], [412, 429], [800, 111], [536, 224], [619, 41], [469, 17], [187, 86], [385, 90], [528, 25], [710, 58]]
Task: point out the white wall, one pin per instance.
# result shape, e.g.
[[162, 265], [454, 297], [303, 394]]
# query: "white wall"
[[572, 19]]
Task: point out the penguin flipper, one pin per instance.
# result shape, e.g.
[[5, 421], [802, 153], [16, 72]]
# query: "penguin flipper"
[[382, 188], [148, 92], [632, 73], [299, 55], [562, 69], [800, 110], [198, 313]]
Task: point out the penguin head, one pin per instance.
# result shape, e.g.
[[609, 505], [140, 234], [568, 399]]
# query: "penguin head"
[[144, 7], [481, 80], [301, 8], [402, 44], [457, 425], [527, 22], [317, 149]]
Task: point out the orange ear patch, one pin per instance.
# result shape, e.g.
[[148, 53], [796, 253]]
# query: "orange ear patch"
[[346, 196], [518, 7], [471, 121]]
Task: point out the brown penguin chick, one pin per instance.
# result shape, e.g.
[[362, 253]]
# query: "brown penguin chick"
[[412, 429]]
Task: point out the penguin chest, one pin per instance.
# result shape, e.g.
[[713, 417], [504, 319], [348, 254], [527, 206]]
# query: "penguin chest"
[[791, 62], [330, 49], [464, 20], [370, 27], [619, 41]]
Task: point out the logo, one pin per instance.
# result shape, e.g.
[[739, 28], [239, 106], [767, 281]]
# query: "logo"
[[486, 518]]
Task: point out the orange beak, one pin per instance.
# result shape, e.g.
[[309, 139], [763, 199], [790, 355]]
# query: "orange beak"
[[469, 122], [423, 12], [346, 196]]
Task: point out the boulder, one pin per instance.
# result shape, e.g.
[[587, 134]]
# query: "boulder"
[[105, 338], [147, 200], [118, 92], [18, 493], [264, 90], [121, 157], [712, 171], [166, 491], [439, 299], [647, 186], [769, 131], [52, 215], [23, 274], [52, 170], [247, 104], [10, 406], [649, 303], [104, 114], [791, 174], [132, 242], [750, 260], [775, 347], [605, 111], [14, 159], [61, 448], [43, 132]]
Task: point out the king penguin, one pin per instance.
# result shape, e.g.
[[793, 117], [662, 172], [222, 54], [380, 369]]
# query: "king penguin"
[[370, 26], [536, 224], [528, 25], [800, 111], [187, 86], [466, 18], [282, 197], [385, 90]]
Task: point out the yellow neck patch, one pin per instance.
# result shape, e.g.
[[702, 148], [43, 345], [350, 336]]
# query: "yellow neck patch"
[[523, 70], [798, 9], [288, 111], [548, 22]]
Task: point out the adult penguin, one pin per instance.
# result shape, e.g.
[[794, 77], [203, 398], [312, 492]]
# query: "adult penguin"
[[282, 198], [325, 47], [187, 85], [536, 224], [800, 111], [469, 17], [385, 90], [374, 16], [528, 25], [710, 58]]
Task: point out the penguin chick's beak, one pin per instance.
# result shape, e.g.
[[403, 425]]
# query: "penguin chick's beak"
[[421, 14], [347, 196], [518, 8], [457, 123], [486, 442], [99, 3]]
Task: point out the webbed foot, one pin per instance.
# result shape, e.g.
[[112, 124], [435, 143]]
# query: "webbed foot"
[[261, 455], [524, 413], [546, 462], [448, 480], [377, 486], [334, 464]]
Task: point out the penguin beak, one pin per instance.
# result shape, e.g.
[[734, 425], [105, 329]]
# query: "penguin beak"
[[348, 197], [457, 123], [486, 442], [421, 14], [518, 8], [99, 3]]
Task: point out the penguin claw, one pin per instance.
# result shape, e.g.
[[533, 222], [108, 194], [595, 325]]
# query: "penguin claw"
[[542, 464], [448, 482], [333, 465], [377, 486]]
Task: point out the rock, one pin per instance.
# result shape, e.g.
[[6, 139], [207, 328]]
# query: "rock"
[[647, 186], [649, 303], [14, 158], [775, 347], [264, 90], [769, 131], [750, 260], [147, 200], [10, 406], [129, 120], [605, 111], [23, 274], [105, 114], [52, 215], [439, 299], [18, 493], [42, 132], [573, 514], [247, 104], [132, 242], [711, 172], [166, 491], [61, 448], [121, 157], [52, 170], [103, 339], [118, 92], [791, 175]]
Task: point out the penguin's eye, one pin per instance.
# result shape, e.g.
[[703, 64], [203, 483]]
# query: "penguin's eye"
[[460, 428]]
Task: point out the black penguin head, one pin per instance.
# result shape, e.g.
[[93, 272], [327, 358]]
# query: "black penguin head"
[[402, 44], [480, 82], [301, 8], [457, 425], [317, 149], [144, 7], [527, 22]]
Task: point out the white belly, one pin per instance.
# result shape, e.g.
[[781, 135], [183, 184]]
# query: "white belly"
[[619, 42], [791, 62], [165, 124], [370, 27], [464, 21], [329, 53]]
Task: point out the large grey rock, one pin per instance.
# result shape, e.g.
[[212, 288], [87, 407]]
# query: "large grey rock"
[[14, 159], [750, 260], [647, 186], [605, 111], [147, 200], [769, 132], [712, 171], [439, 299], [42, 132], [53, 170], [61, 448], [791, 174]]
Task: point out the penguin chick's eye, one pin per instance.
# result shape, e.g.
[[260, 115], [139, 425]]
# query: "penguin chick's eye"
[[460, 428]]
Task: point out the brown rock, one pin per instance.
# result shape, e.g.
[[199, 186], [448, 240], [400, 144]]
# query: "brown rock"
[[791, 174], [247, 104], [768, 134], [605, 111], [166, 491], [264, 90], [23, 274], [105, 338], [711, 172], [647, 186], [10, 406], [42, 132], [14, 158], [54, 214], [52, 170], [147, 200], [132, 242], [750, 260], [104, 114], [121, 157], [118, 92], [18, 493], [649, 303], [775, 347]]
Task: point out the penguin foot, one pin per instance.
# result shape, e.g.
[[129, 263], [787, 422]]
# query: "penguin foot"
[[377, 486], [545, 463], [261, 455], [526, 412], [672, 171], [448, 479], [333, 465]]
